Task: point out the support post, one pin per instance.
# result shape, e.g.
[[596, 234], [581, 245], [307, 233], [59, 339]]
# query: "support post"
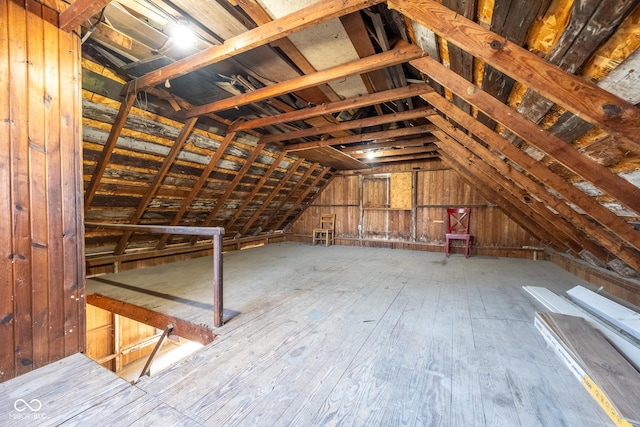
[[218, 306]]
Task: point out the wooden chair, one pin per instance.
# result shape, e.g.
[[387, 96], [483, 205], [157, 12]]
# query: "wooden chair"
[[457, 228], [326, 230]]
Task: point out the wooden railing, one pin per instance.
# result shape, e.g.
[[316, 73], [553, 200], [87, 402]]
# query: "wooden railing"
[[215, 233]]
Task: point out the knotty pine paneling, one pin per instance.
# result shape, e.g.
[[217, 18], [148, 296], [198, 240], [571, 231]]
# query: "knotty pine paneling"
[[42, 314], [369, 217]]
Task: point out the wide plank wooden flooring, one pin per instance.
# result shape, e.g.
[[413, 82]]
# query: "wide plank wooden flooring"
[[359, 336]]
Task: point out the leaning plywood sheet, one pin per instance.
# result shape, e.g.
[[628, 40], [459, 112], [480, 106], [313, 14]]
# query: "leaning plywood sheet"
[[557, 304], [623, 317], [612, 381]]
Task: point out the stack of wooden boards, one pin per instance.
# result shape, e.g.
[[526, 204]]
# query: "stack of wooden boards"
[[599, 340]]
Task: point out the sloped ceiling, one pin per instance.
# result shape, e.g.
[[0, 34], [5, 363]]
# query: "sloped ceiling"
[[533, 101]]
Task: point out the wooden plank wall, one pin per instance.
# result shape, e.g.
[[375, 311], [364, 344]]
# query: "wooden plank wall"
[[368, 213], [42, 316], [110, 338]]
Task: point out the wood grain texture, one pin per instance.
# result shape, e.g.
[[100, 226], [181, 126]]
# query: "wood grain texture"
[[553, 146], [40, 318], [268, 32], [596, 105], [397, 55]]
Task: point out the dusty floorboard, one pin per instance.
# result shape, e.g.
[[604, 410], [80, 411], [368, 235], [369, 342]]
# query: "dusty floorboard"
[[357, 336]]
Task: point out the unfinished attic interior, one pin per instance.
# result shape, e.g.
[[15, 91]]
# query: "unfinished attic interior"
[[166, 166]]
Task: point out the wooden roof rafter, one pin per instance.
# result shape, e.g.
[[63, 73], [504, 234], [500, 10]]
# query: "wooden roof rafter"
[[202, 179], [589, 169], [566, 213], [270, 197], [293, 190], [598, 106], [168, 161], [531, 208], [256, 189], [599, 213], [78, 12]]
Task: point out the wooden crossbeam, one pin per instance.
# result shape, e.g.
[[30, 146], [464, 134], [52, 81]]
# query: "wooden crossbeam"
[[107, 151], [182, 328], [335, 107], [403, 52], [177, 147], [595, 105], [78, 12], [351, 124], [307, 17], [433, 154], [397, 152], [402, 143], [372, 136], [599, 213], [625, 192]]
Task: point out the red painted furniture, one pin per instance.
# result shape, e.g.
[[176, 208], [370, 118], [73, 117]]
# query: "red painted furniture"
[[457, 228]]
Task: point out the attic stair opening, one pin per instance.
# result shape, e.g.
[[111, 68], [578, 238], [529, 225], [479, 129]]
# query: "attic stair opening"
[[133, 349]]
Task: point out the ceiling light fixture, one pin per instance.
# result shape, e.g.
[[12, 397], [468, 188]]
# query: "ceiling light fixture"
[[182, 35], [371, 154]]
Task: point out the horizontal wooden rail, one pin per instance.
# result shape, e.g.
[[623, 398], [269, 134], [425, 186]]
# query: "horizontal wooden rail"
[[216, 234]]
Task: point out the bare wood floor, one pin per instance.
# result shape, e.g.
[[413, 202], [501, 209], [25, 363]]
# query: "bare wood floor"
[[357, 336]]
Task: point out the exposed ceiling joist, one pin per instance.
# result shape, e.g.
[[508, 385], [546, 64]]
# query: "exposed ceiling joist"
[[372, 136], [260, 36], [78, 12], [335, 107], [402, 53]]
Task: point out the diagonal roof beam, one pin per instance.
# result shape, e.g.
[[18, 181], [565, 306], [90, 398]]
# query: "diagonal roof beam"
[[579, 221], [403, 52], [595, 210], [595, 105], [569, 156], [534, 208], [514, 208], [195, 190], [335, 107], [352, 124], [265, 203], [157, 181], [289, 194], [107, 150], [78, 12], [256, 189], [231, 188], [309, 16], [304, 195], [377, 136]]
